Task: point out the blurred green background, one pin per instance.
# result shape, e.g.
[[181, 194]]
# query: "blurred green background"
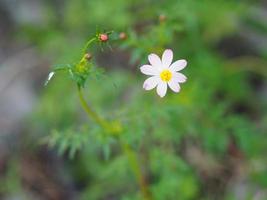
[[208, 142]]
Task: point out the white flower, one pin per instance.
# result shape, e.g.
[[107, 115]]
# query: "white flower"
[[163, 72]]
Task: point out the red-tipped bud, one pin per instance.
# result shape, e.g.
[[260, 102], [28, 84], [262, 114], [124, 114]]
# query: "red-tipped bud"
[[123, 36], [103, 37]]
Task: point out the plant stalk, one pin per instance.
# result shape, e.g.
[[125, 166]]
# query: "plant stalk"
[[92, 114], [88, 43], [131, 155], [133, 160]]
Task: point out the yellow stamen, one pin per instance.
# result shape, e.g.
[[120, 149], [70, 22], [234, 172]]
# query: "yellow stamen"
[[166, 75]]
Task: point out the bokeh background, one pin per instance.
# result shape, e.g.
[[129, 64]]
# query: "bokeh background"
[[209, 142]]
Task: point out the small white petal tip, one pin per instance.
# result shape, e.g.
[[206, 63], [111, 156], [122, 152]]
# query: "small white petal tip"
[[145, 86], [50, 76]]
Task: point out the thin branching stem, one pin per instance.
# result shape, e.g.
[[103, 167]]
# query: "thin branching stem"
[[88, 43], [129, 152], [136, 168], [91, 113]]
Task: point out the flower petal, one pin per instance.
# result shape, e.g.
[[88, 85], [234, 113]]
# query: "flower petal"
[[167, 58], [178, 65], [154, 60], [151, 82], [149, 70], [179, 77], [174, 85], [162, 88]]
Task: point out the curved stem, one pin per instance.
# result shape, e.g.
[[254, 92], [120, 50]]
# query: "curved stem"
[[131, 155], [89, 111], [88, 43]]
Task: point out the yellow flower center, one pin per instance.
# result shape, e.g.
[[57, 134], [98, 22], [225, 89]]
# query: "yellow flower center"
[[166, 75]]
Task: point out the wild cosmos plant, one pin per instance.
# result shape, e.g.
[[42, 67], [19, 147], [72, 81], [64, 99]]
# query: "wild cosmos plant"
[[163, 73]]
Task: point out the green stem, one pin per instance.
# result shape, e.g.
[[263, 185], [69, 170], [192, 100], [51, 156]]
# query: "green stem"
[[88, 43], [133, 160], [89, 111], [131, 155]]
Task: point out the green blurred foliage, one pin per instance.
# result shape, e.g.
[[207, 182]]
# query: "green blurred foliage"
[[216, 105]]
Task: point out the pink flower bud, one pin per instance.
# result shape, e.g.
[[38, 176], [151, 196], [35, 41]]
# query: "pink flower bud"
[[103, 37]]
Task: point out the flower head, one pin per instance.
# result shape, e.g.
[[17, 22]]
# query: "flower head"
[[163, 73]]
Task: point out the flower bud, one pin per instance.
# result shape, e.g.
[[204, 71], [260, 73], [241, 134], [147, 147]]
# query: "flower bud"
[[103, 37], [123, 36], [162, 18], [88, 56]]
